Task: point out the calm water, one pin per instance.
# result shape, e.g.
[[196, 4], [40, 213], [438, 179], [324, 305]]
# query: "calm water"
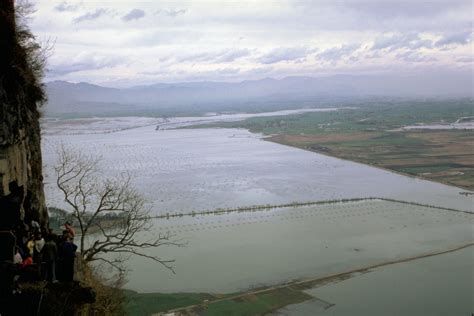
[[436, 286], [237, 251], [185, 170], [56, 126]]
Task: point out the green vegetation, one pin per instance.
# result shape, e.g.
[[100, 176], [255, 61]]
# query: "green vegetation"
[[258, 304], [148, 303], [138, 304], [369, 134], [260, 301], [362, 118]]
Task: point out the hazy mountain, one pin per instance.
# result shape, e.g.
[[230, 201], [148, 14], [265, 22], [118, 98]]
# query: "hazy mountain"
[[88, 99]]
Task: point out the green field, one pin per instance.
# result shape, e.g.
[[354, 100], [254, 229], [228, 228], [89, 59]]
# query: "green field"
[[376, 116], [146, 304], [138, 304], [368, 133]]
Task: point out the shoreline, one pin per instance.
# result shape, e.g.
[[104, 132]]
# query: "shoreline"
[[273, 139], [298, 285]]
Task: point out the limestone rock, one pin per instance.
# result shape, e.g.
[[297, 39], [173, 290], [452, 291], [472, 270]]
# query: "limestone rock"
[[21, 180]]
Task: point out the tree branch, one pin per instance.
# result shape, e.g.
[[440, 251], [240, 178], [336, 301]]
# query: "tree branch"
[[78, 180]]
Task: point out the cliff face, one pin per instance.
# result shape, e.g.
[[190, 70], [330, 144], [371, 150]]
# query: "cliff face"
[[21, 186]]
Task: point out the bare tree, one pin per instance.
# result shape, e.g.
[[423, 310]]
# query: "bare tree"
[[111, 209]]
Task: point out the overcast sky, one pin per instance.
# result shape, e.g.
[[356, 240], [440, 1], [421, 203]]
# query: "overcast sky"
[[125, 43]]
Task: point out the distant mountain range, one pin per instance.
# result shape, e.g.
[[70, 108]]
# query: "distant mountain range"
[[84, 99]]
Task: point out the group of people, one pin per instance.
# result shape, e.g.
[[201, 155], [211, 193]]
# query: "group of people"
[[52, 254]]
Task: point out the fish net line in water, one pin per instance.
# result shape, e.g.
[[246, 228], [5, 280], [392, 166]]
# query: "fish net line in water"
[[265, 207]]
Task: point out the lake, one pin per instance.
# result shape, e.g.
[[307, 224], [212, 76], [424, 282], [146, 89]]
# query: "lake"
[[436, 286], [181, 170], [234, 252], [196, 169]]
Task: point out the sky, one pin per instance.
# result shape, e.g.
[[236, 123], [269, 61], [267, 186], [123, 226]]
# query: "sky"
[[127, 43]]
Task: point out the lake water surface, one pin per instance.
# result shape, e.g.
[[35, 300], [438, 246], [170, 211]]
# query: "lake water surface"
[[203, 169], [198, 169], [237, 251], [436, 286]]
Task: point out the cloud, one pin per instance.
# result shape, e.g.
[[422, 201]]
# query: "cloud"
[[397, 41], [385, 15], [160, 36], [461, 38], [227, 71], [337, 53], [195, 36], [404, 8], [84, 62], [222, 56], [134, 14], [414, 57], [373, 54], [65, 7], [260, 70], [465, 59], [171, 12], [90, 16], [285, 54], [231, 55]]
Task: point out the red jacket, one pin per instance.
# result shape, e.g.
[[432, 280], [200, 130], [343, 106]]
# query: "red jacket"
[[28, 261]]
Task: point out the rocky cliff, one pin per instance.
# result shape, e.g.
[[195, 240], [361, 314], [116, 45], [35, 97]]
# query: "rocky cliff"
[[21, 93]]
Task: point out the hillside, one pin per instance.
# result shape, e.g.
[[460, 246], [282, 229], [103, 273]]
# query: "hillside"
[[84, 99]]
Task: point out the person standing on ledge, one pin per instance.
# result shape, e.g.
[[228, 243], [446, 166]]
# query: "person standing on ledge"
[[50, 252], [68, 256]]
